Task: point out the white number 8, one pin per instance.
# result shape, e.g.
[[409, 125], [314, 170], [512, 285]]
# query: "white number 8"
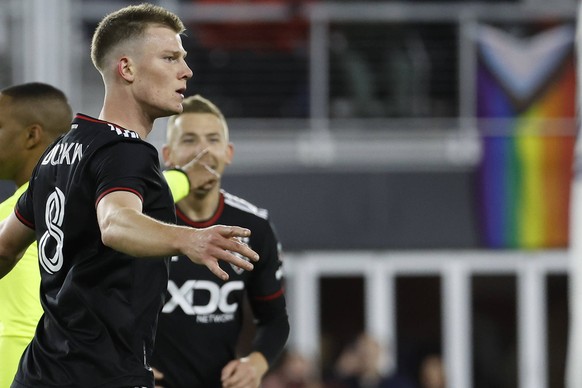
[[54, 214]]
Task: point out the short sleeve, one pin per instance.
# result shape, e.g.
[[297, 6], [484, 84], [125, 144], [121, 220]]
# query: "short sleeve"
[[124, 166], [24, 209]]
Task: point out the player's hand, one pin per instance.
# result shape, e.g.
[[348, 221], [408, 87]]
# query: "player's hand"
[[208, 246], [157, 377], [199, 171], [245, 372]]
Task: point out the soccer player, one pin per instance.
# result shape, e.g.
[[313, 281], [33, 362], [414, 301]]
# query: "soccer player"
[[32, 116], [202, 318], [103, 217]]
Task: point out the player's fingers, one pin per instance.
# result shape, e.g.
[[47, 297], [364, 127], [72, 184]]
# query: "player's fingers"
[[228, 370], [243, 376], [214, 267], [211, 170], [157, 377], [157, 374], [239, 379], [237, 246], [199, 179], [233, 259], [193, 164], [198, 156], [233, 231], [234, 380]]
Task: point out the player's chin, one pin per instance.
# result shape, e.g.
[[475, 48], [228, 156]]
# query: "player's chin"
[[170, 111], [176, 107], [179, 108]]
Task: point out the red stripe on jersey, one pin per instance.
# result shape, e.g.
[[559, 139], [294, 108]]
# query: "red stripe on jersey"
[[203, 224], [88, 118], [117, 189], [23, 220], [269, 297]]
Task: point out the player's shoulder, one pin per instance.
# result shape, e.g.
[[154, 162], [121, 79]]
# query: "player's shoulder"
[[105, 130], [95, 135], [244, 206]]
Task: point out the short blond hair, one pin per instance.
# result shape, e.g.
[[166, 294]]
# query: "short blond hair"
[[126, 24], [195, 104]]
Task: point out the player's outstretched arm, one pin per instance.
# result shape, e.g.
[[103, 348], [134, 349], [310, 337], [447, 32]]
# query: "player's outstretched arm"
[[15, 237], [126, 229], [246, 372]]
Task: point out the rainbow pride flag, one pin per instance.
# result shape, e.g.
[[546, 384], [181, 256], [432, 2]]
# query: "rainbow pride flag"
[[526, 114]]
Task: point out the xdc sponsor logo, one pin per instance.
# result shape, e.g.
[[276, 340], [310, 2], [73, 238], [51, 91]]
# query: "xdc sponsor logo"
[[217, 309]]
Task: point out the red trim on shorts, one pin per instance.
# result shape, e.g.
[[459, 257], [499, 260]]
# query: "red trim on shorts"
[[103, 194], [23, 220]]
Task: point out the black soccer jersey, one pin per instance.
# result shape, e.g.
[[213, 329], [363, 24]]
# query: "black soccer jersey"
[[100, 305], [202, 318]]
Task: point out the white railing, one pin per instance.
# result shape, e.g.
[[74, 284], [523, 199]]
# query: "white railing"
[[455, 268]]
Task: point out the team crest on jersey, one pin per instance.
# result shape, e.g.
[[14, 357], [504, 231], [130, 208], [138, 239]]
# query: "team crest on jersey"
[[237, 270]]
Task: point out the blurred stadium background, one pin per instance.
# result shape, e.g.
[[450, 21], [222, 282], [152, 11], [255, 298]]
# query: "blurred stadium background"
[[415, 156]]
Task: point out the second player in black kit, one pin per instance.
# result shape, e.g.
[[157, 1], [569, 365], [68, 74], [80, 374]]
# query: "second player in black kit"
[[202, 318], [118, 293], [200, 323]]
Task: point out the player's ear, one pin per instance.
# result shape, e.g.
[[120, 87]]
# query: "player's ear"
[[229, 153], [166, 155], [126, 69], [33, 135]]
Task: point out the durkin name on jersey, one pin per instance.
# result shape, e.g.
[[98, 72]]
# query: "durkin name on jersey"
[[64, 153]]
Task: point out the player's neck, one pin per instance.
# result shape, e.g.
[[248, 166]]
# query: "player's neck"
[[24, 172], [199, 208], [20, 179], [127, 114]]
